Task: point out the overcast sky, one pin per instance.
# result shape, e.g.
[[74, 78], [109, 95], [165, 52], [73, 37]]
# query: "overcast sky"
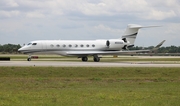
[[22, 21]]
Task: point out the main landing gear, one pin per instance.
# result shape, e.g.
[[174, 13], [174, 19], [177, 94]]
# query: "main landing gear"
[[84, 59], [96, 58]]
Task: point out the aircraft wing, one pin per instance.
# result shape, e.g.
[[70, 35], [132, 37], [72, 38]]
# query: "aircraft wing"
[[85, 53], [79, 53]]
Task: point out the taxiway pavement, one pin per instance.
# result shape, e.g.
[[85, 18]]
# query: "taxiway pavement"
[[83, 64]]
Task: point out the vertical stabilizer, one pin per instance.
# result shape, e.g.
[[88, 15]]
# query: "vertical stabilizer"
[[131, 32]]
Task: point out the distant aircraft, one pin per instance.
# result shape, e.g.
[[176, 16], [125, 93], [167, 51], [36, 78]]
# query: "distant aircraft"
[[85, 48]]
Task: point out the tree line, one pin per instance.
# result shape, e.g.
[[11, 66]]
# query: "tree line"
[[13, 48], [168, 49], [9, 48]]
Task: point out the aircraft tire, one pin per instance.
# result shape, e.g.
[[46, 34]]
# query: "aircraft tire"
[[28, 59], [84, 59], [96, 59]]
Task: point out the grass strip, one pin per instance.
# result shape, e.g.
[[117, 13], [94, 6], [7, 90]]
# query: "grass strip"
[[89, 86]]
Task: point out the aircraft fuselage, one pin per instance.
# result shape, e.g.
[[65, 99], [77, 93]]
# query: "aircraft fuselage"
[[61, 47]]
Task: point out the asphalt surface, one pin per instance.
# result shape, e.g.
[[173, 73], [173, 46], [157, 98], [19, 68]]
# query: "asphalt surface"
[[84, 64]]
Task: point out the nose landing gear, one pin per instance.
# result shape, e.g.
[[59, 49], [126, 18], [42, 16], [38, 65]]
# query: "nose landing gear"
[[29, 58]]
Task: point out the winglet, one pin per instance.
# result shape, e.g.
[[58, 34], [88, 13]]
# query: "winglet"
[[157, 47]]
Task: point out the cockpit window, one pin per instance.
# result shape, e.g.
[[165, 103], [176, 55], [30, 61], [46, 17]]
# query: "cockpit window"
[[29, 43], [34, 44]]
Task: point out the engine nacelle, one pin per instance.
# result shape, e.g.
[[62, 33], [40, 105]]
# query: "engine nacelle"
[[116, 44]]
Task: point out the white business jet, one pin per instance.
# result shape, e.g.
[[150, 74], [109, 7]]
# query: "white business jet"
[[85, 48]]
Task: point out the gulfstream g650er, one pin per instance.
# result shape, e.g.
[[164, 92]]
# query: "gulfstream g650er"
[[85, 48]]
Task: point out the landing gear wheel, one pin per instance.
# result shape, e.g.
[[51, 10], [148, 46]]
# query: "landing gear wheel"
[[96, 59], [84, 59], [28, 59]]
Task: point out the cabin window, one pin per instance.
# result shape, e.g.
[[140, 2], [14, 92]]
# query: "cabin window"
[[70, 45], [76, 45], [34, 44], [64, 45], [58, 45], [87, 45], [82, 45], [93, 45]]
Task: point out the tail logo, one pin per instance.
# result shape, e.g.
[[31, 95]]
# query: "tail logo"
[[130, 36]]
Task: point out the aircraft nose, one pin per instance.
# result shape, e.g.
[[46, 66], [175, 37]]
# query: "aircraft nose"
[[19, 49], [22, 49]]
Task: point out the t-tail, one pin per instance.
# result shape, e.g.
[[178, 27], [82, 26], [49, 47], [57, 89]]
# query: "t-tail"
[[131, 32]]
